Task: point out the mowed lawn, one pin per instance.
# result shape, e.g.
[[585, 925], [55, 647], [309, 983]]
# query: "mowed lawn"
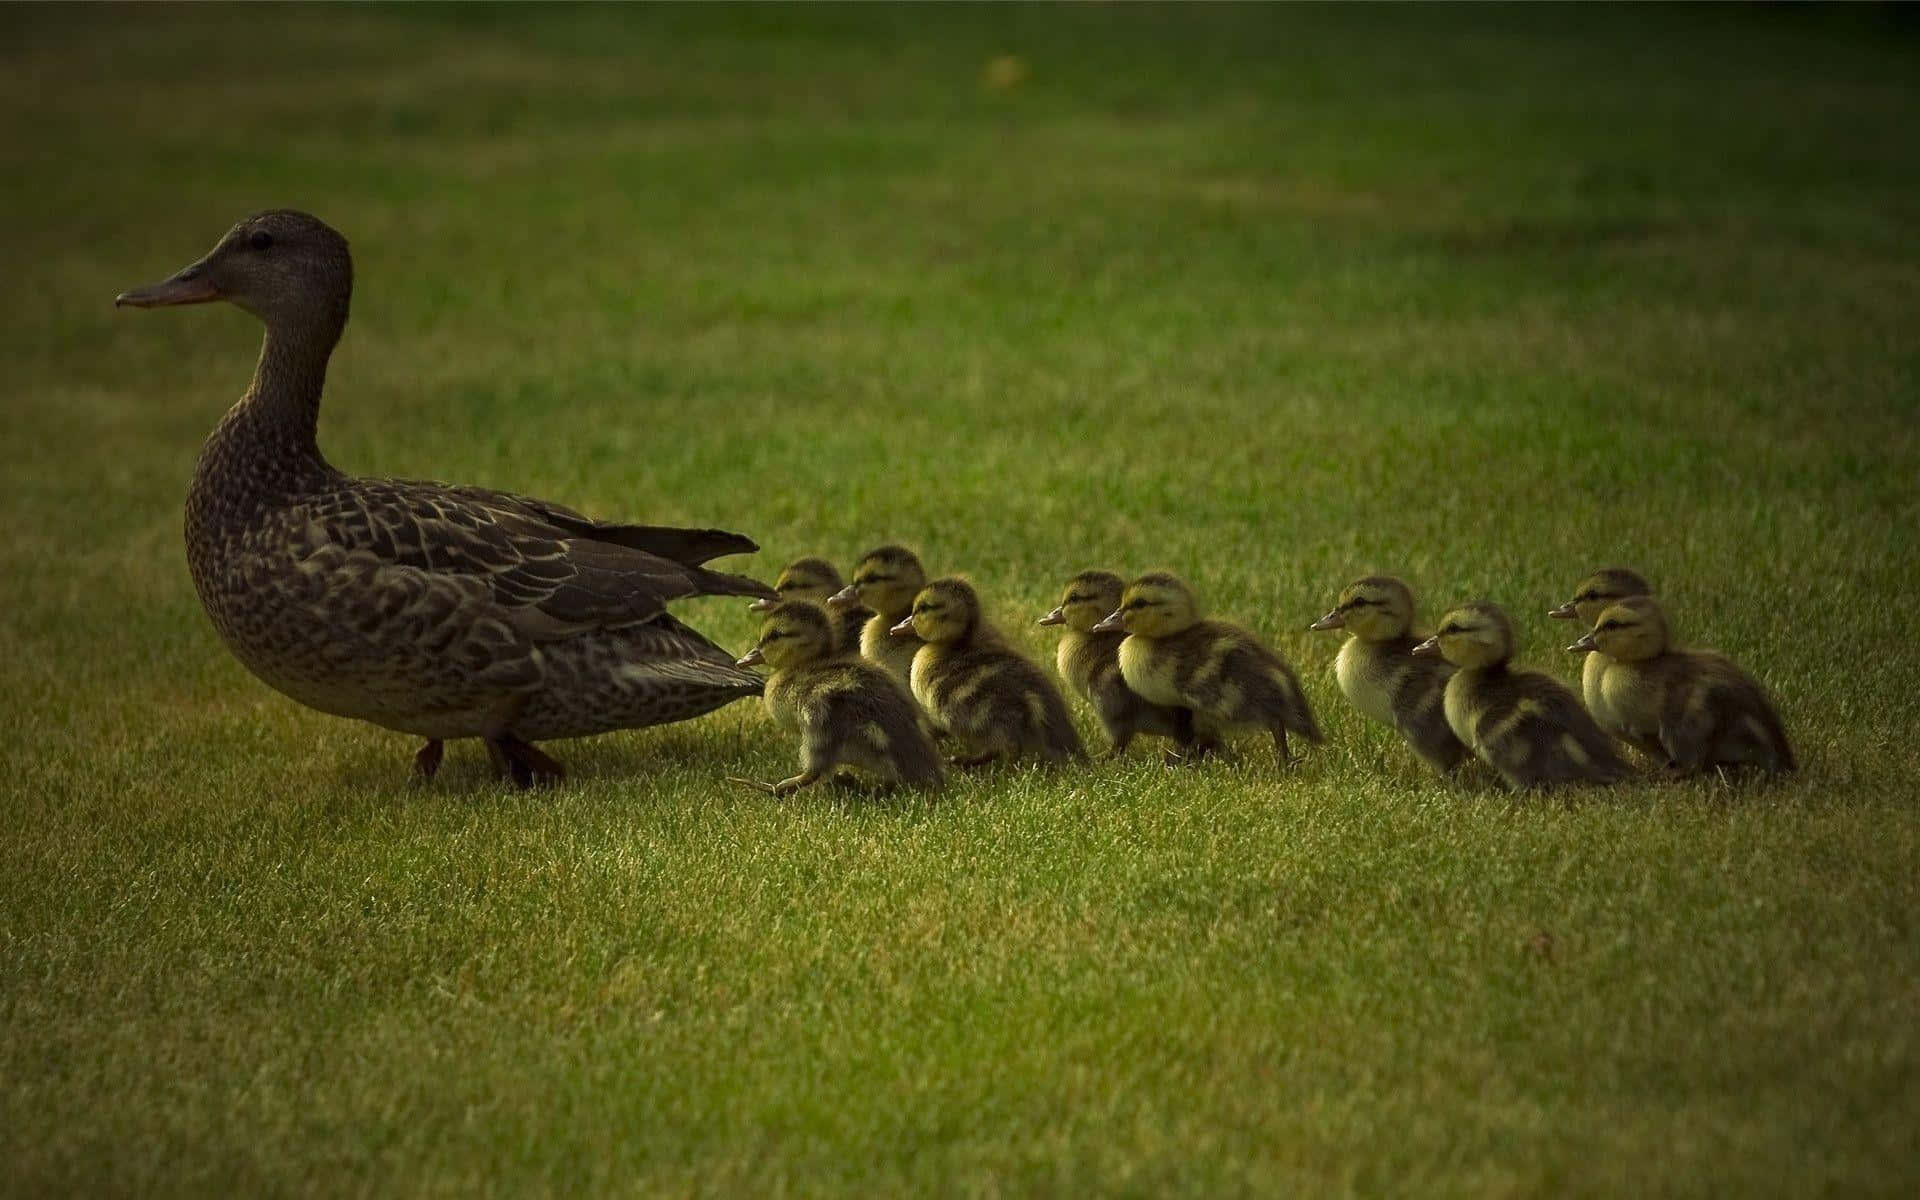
[[1273, 297]]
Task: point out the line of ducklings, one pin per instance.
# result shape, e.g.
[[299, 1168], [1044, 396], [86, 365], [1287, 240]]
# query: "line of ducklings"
[[874, 673]]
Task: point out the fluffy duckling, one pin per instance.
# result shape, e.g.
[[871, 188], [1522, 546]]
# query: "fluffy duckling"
[[978, 688], [815, 581], [1525, 725], [886, 580], [1381, 676], [846, 711], [1090, 663], [1693, 710], [1227, 676], [1596, 593]]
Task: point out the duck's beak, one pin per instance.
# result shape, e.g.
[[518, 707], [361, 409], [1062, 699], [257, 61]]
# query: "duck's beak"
[[1430, 646], [904, 629], [1584, 645], [1563, 613], [763, 604], [751, 658], [190, 285], [1332, 620], [1057, 617], [1111, 622], [846, 597]]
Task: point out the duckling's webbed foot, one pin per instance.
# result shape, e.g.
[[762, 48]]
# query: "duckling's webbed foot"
[[427, 762], [518, 760], [967, 762]]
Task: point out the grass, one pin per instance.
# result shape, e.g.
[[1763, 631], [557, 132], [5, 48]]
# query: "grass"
[[1273, 296]]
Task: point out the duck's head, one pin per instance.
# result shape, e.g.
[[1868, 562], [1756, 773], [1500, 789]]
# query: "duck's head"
[[1599, 590], [1475, 635], [946, 610], [282, 266], [794, 632], [886, 580], [1376, 609], [1629, 631], [1154, 605], [1088, 597], [811, 579]]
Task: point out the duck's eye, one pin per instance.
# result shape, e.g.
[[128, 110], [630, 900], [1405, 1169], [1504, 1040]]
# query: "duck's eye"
[[260, 239], [1137, 603]]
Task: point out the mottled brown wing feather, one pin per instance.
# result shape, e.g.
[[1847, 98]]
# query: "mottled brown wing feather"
[[690, 547], [551, 581]]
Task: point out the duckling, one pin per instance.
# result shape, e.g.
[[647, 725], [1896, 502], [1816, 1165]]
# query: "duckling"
[[976, 687], [1693, 710], [886, 580], [1525, 725], [1595, 594], [1090, 663], [1227, 676], [1383, 678], [846, 711], [815, 581]]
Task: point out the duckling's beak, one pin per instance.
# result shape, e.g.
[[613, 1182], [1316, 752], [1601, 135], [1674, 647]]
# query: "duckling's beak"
[[1563, 613], [751, 658], [903, 629], [763, 604], [1111, 622], [189, 285], [1057, 617], [846, 597], [1332, 620], [1584, 645], [1430, 646]]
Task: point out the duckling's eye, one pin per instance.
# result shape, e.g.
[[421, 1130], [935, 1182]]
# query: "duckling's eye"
[[1137, 603], [1077, 599], [1613, 624], [260, 239]]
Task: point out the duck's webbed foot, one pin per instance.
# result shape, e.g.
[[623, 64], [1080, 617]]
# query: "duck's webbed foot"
[[519, 761], [427, 762]]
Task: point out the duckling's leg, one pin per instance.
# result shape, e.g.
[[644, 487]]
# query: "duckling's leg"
[[427, 761], [1280, 750], [521, 762]]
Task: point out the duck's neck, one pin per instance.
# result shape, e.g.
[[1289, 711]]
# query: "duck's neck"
[[269, 441]]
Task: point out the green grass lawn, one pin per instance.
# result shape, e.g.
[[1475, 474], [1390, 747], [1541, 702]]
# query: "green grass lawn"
[[1273, 297]]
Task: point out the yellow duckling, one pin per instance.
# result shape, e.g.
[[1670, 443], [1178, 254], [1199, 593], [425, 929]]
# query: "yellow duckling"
[[886, 580], [1525, 725], [1381, 676], [815, 581], [1090, 663], [1596, 593], [978, 688], [1227, 676], [1693, 710], [846, 711]]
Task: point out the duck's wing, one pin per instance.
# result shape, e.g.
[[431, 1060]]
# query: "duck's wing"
[[691, 547], [552, 572]]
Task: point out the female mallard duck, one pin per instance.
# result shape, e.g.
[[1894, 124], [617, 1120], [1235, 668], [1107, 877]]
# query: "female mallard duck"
[[979, 689], [886, 580], [1596, 593], [815, 581], [1692, 710], [1527, 726], [1090, 663], [846, 711], [1227, 676], [1382, 677], [435, 610]]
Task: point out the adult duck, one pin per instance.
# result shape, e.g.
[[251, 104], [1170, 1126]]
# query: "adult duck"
[[433, 609]]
